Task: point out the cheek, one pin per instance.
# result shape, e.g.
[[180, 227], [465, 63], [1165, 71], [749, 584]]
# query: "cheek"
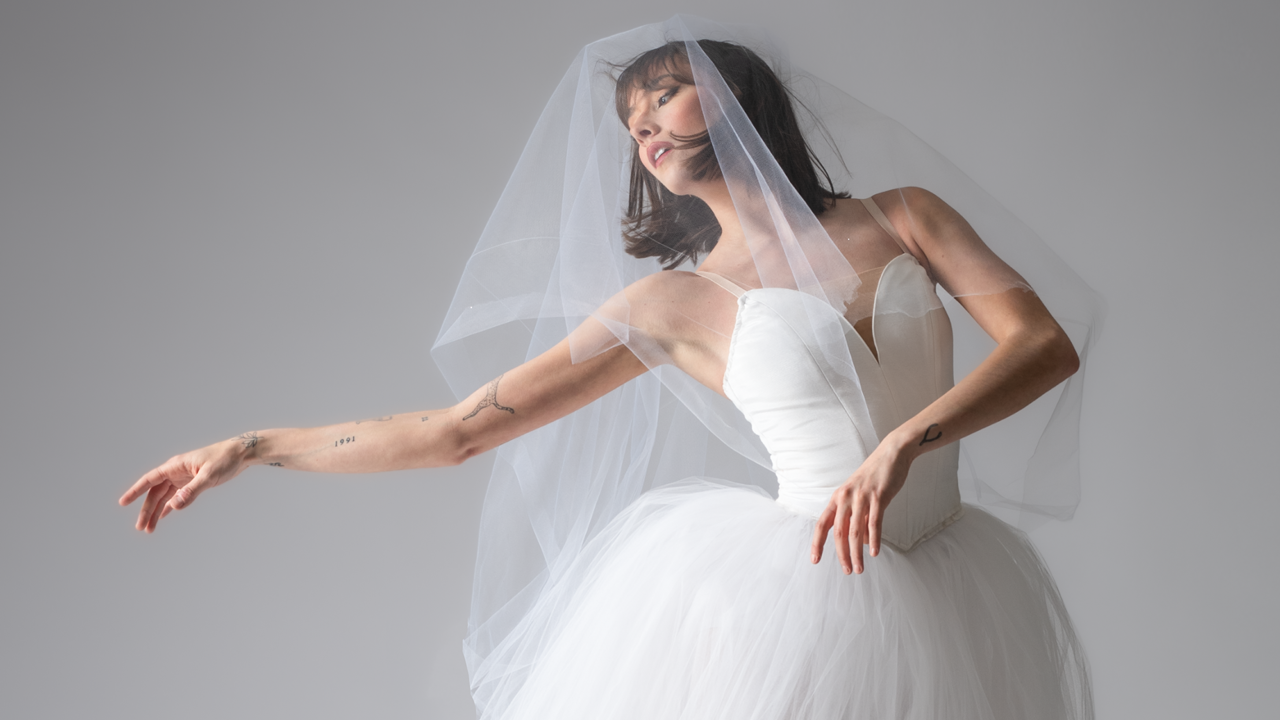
[[691, 120], [691, 114]]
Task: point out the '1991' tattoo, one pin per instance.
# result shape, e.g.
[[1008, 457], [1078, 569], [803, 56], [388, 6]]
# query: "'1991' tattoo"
[[490, 400]]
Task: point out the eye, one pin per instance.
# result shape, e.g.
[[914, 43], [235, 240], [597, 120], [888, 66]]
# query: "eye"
[[665, 97]]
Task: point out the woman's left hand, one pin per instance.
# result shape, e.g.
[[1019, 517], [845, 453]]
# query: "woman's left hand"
[[856, 509]]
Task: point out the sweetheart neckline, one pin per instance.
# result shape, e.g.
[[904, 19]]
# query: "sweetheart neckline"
[[846, 325]]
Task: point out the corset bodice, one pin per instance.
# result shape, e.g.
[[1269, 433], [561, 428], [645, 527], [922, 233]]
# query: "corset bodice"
[[819, 421]]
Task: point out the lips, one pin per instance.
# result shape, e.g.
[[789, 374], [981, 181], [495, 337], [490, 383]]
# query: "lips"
[[652, 152]]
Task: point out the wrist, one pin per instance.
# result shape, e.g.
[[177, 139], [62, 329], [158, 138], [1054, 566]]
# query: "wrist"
[[247, 448], [904, 443]]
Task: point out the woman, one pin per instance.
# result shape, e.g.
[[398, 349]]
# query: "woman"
[[814, 314]]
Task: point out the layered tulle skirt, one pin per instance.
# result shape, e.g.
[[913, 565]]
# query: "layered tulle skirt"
[[699, 602]]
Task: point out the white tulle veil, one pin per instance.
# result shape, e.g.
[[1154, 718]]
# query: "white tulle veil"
[[552, 254]]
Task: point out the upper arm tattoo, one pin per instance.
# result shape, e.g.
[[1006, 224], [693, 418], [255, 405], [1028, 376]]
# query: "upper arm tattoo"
[[490, 400]]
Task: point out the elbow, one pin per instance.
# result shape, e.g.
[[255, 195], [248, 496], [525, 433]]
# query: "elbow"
[[461, 446], [464, 453], [447, 446], [1060, 358], [461, 450]]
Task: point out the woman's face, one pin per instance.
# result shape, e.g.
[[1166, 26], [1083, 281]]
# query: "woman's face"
[[658, 117]]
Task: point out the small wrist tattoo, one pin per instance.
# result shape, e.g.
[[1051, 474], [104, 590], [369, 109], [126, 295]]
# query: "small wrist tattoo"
[[275, 464], [927, 438]]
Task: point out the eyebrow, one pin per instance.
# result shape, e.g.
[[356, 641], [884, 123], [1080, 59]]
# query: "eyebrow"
[[652, 83]]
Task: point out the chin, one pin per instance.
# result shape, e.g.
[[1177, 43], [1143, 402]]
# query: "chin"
[[678, 185]]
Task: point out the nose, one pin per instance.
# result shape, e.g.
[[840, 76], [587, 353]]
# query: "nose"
[[642, 126]]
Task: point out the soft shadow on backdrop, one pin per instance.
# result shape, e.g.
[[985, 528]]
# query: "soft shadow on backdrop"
[[243, 215]]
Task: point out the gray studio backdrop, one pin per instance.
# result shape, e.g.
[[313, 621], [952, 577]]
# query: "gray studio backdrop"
[[219, 217]]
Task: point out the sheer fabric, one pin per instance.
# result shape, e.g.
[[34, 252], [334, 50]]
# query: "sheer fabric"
[[552, 255]]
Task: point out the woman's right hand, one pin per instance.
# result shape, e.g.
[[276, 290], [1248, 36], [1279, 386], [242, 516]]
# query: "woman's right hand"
[[179, 481]]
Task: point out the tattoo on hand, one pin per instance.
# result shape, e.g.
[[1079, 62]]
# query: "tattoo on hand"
[[928, 439], [344, 441], [384, 418], [490, 400], [249, 439]]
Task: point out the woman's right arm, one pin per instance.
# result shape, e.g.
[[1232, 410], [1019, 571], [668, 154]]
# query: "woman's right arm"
[[538, 392]]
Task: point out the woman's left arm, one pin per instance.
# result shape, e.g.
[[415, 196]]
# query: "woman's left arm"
[[1032, 355]]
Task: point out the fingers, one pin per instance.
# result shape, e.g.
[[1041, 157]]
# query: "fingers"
[[825, 521], [857, 518], [875, 517], [158, 511], [842, 534], [858, 532], [149, 505], [146, 482], [188, 493], [174, 470]]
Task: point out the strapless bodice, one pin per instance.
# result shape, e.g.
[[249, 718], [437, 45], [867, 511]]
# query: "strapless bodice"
[[818, 423]]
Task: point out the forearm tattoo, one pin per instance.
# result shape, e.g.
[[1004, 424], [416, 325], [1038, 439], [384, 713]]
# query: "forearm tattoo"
[[927, 438], [275, 464], [426, 418], [249, 439], [490, 400], [344, 441]]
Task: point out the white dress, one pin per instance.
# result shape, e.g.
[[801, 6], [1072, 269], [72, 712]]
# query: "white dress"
[[699, 601]]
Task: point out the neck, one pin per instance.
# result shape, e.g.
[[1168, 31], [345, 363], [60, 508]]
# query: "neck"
[[732, 243]]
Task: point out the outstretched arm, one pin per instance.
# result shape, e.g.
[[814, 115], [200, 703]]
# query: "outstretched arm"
[[1032, 355], [542, 390]]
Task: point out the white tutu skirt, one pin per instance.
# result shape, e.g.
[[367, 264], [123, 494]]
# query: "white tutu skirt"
[[699, 602]]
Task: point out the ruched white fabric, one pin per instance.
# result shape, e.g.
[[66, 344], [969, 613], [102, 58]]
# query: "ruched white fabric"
[[698, 602], [808, 418]]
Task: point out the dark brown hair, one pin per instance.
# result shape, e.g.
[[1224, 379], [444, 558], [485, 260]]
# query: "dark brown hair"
[[650, 225]]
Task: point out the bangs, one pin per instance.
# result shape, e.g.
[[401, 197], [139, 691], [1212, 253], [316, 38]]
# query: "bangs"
[[647, 72]]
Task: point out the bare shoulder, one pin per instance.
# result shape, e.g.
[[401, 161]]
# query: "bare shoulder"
[[661, 292], [681, 310], [919, 215], [664, 285], [858, 234]]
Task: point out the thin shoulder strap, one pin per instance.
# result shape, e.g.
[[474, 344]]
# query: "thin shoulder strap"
[[723, 282], [878, 214]]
